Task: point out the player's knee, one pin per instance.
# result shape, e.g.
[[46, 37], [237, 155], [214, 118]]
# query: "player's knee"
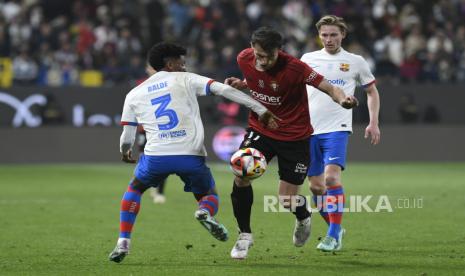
[[331, 180], [240, 182], [317, 189], [139, 186], [317, 186]]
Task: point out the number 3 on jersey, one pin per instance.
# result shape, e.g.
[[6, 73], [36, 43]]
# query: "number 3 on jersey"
[[162, 111]]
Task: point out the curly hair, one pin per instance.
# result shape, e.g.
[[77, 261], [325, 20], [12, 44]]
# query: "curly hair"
[[161, 52]]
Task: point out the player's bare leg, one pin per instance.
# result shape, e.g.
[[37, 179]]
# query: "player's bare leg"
[[290, 199], [335, 197], [318, 189], [242, 200]]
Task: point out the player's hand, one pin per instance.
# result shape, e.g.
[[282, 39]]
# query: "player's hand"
[[127, 157], [269, 120], [372, 132], [236, 83], [349, 102]]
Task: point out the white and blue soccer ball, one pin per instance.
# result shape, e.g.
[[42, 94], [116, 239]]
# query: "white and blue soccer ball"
[[248, 163]]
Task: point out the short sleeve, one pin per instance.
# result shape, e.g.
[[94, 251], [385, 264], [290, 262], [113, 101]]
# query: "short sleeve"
[[128, 117], [310, 76], [200, 85], [365, 76]]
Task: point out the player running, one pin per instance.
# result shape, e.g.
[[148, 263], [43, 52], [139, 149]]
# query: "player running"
[[278, 81], [167, 108], [157, 193], [332, 124]]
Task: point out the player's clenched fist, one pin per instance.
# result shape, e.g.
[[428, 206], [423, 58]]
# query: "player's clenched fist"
[[236, 83], [127, 157], [349, 102], [269, 120]]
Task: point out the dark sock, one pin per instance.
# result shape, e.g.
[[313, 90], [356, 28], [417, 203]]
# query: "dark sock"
[[242, 200], [161, 187], [301, 212]]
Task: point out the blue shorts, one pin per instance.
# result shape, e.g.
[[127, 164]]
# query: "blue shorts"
[[197, 178], [327, 148]]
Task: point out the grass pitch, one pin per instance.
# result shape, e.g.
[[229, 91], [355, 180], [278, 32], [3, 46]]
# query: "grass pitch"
[[63, 219]]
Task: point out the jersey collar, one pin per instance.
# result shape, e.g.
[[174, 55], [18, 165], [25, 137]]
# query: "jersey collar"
[[338, 53]]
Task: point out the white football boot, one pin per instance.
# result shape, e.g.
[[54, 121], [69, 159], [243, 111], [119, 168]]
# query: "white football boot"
[[330, 244], [302, 231], [120, 251], [216, 229], [156, 196], [241, 248], [339, 241]]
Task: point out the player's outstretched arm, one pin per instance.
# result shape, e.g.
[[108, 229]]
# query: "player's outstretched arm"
[[265, 116], [372, 130], [237, 83], [269, 120], [126, 142], [338, 95]]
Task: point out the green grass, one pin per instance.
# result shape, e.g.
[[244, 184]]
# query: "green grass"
[[63, 219]]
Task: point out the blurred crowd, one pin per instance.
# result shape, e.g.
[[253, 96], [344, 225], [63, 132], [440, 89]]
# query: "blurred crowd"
[[52, 42]]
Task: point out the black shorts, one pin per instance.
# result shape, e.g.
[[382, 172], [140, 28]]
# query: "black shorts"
[[293, 156]]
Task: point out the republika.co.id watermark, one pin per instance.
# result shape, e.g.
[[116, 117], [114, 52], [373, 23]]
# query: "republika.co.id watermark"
[[351, 204]]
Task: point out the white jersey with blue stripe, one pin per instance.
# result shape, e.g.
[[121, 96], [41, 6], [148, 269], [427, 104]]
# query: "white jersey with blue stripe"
[[343, 69], [167, 108]]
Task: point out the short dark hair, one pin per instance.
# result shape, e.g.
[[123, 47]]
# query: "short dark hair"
[[161, 52], [268, 38]]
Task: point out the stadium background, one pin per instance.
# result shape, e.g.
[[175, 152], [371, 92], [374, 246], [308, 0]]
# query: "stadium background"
[[66, 66]]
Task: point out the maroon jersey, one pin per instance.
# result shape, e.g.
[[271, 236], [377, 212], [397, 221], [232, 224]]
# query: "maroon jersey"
[[282, 90]]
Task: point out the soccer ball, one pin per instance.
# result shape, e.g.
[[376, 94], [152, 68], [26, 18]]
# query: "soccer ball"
[[248, 163]]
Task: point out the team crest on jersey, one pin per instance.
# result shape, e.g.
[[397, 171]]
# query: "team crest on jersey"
[[274, 85], [261, 83], [344, 67]]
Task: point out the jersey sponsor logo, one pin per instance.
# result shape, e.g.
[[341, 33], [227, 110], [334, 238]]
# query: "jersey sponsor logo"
[[274, 85], [311, 77], [172, 134], [339, 82], [344, 67], [157, 86], [267, 99], [261, 83], [300, 168]]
